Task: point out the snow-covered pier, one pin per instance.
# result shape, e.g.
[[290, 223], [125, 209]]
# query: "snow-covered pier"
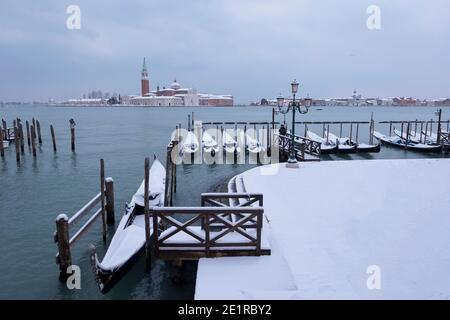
[[343, 230]]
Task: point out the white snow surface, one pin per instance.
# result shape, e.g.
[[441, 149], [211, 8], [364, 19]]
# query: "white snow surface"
[[329, 221]]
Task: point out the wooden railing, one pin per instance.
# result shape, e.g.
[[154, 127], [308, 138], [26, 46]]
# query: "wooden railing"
[[445, 138], [64, 224], [188, 239], [302, 145], [223, 200]]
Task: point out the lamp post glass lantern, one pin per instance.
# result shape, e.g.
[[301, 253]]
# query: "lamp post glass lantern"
[[294, 106]]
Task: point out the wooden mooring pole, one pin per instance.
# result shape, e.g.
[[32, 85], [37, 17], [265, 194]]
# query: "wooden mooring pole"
[[52, 132], [33, 140], [33, 121], [63, 240], [5, 129], [2, 152], [28, 133], [72, 134], [38, 125], [102, 197], [438, 139], [109, 193], [16, 142], [146, 212], [22, 139]]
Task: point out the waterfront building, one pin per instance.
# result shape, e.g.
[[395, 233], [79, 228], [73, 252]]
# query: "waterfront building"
[[174, 95], [213, 100], [85, 102]]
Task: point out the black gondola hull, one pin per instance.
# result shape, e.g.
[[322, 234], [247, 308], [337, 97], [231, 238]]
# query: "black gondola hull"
[[106, 279], [371, 149]]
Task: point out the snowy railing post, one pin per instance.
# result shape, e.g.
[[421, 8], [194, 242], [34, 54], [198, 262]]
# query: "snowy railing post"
[[64, 258]]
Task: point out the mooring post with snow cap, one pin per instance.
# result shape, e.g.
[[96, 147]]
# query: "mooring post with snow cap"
[[146, 212], [109, 193], [64, 258]]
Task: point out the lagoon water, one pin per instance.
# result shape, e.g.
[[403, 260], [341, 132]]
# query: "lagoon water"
[[35, 192]]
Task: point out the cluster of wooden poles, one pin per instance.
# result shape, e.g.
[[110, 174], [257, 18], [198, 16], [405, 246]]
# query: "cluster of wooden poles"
[[33, 137]]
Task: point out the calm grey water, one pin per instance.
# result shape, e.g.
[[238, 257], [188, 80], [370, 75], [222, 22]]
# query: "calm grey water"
[[34, 193]]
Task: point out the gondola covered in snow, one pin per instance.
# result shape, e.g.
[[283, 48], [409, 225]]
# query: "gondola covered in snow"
[[326, 146], [230, 144], [397, 141], [129, 239], [253, 145], [190, 144], [209, 144], [345, 145]]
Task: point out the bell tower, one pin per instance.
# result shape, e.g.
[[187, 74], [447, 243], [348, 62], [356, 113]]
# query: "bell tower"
[[145, 82]]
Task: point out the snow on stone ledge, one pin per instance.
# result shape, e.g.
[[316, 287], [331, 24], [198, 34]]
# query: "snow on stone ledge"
[[330, 221]]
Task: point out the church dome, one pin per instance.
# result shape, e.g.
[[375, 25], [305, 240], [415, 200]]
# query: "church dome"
[[175, 85]]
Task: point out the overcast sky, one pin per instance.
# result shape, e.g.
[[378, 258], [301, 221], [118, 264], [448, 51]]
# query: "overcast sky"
[[251, 49]]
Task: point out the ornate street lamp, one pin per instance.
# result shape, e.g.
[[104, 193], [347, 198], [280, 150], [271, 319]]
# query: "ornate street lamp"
[[293, 105]]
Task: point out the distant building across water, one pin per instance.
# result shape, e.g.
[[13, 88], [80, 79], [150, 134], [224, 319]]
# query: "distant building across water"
[[174, 95]]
